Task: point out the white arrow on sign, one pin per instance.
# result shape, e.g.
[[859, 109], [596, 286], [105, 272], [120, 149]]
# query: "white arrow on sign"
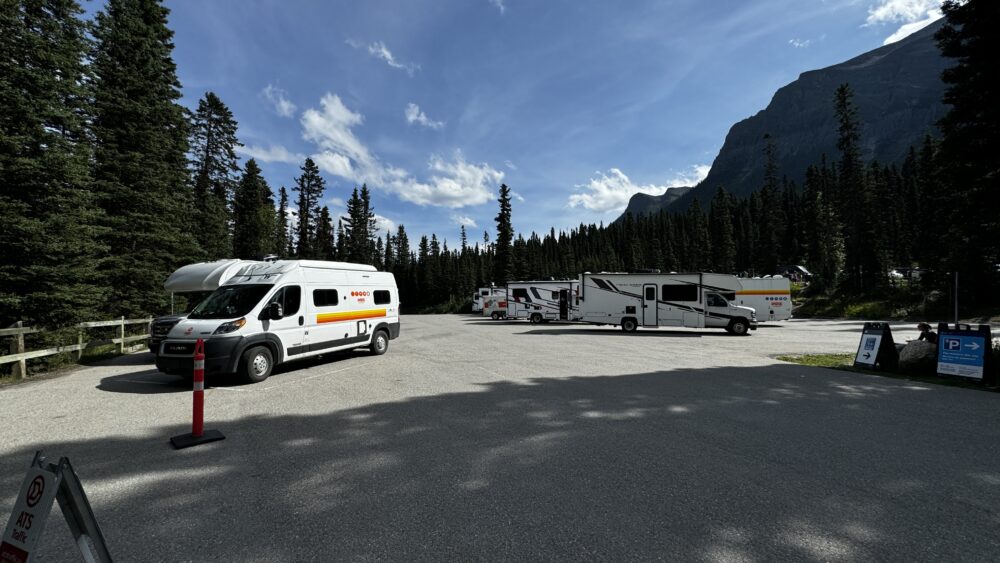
[[973, 345]]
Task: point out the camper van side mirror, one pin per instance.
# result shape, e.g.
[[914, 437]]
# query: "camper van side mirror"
[[273, 312]]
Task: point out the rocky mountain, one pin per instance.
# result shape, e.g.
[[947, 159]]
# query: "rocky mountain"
[[897, 91], [643, 204]]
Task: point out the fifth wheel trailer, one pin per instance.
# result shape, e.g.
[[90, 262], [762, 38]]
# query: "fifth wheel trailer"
[[693, 300], [543, 300]]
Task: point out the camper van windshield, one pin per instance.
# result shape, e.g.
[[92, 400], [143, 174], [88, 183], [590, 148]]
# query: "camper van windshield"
[[230, 302]]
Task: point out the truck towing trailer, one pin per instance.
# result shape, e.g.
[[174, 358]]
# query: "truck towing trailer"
[[694, 300]]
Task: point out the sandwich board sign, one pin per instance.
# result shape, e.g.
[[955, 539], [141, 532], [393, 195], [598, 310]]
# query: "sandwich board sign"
[[43, 484], [963, 351], [876, 349]]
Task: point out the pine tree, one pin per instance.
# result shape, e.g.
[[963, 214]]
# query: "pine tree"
[[282, 240], [720, 223], [325, 247], [503, 267], [310, 186], [970, 145], [463, 238], [360, 225], [253, 215], [49, 232], [140, 157], [215, 168]]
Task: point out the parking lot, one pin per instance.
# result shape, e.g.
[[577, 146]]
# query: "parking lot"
[[474, 439]]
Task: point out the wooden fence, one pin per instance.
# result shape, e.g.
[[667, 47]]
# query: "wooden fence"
[[19, 356]]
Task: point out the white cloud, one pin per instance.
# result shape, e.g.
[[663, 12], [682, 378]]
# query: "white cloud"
[[510, 165], [499, 4], [799, 43], [452, 183], [383, 224], [415, 115], [464, 220], [378, 50], [279, 99], [913, 14], [612, 191], [516, 196], [271, 153]]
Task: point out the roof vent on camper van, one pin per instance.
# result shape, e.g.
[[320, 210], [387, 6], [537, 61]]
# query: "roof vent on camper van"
[[271, 258]]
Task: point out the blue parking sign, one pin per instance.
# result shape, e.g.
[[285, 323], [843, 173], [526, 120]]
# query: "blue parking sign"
[[962, 354]]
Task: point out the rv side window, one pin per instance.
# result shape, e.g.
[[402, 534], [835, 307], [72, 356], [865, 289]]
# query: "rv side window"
[[555, 296], [520, 293], [651, 293], [290, 298], [325, 297], [680, 293], [381, 297], [715, 300]]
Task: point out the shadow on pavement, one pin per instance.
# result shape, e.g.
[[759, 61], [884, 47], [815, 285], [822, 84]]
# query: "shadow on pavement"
[[761, 463], [583, 330]]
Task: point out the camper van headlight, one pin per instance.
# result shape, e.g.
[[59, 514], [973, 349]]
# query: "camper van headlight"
[[226, 328]]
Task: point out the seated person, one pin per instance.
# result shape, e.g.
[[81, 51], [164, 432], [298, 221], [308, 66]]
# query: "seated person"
[[927, 334]]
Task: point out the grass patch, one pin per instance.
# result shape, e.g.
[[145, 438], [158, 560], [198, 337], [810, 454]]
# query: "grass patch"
[[821, 360]]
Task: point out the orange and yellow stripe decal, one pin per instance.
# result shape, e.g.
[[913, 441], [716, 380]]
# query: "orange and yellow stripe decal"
[[763, 292], [349, 316]]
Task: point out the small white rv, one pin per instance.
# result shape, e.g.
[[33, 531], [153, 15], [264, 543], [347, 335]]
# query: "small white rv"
[[270, 313], [545, 300], [635, 300], [482, 294], [770, 296]]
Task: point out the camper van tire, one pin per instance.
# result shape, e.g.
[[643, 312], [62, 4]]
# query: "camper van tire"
[[536, 318], [495, 316], [739, 327], [629, 324], [256, 364], [380, 342]]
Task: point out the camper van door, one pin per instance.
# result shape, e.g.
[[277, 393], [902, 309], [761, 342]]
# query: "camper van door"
[[290, 327]]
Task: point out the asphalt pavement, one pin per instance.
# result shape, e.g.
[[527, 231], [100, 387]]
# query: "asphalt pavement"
[[474, 439]]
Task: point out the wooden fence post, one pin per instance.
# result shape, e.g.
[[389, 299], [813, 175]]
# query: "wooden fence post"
[[20, 369], [79, 341], [121, 334]]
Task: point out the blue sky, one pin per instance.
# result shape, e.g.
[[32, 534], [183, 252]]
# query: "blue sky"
[[574, 104]]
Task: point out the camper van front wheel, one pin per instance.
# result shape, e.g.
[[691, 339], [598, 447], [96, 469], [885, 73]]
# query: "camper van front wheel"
[[256, 364], [629, 325], [380, 343]]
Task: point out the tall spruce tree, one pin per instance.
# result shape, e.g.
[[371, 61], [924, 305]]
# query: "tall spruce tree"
[[141, 147], [253, 215], [503, 266], [360, 226], [215, 169], [49, 231], [282, 240], [325, 244], [310, 186], [970, 146], [720, 224]]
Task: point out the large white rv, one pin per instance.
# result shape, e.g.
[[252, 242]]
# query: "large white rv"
[[192, 283], [271, 313], [652, 300], [484, 293], [770, 296], [545, 300]]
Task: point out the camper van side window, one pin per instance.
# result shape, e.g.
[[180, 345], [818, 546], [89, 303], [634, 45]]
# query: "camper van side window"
[[680, 293], [381, 297], [325, 297], [520, 293], [555, 296]]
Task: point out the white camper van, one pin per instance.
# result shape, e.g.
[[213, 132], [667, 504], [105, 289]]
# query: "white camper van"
[[770, 296], [479, 298], [271, 313], [193, 282], [546, 300], [652, 300]]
